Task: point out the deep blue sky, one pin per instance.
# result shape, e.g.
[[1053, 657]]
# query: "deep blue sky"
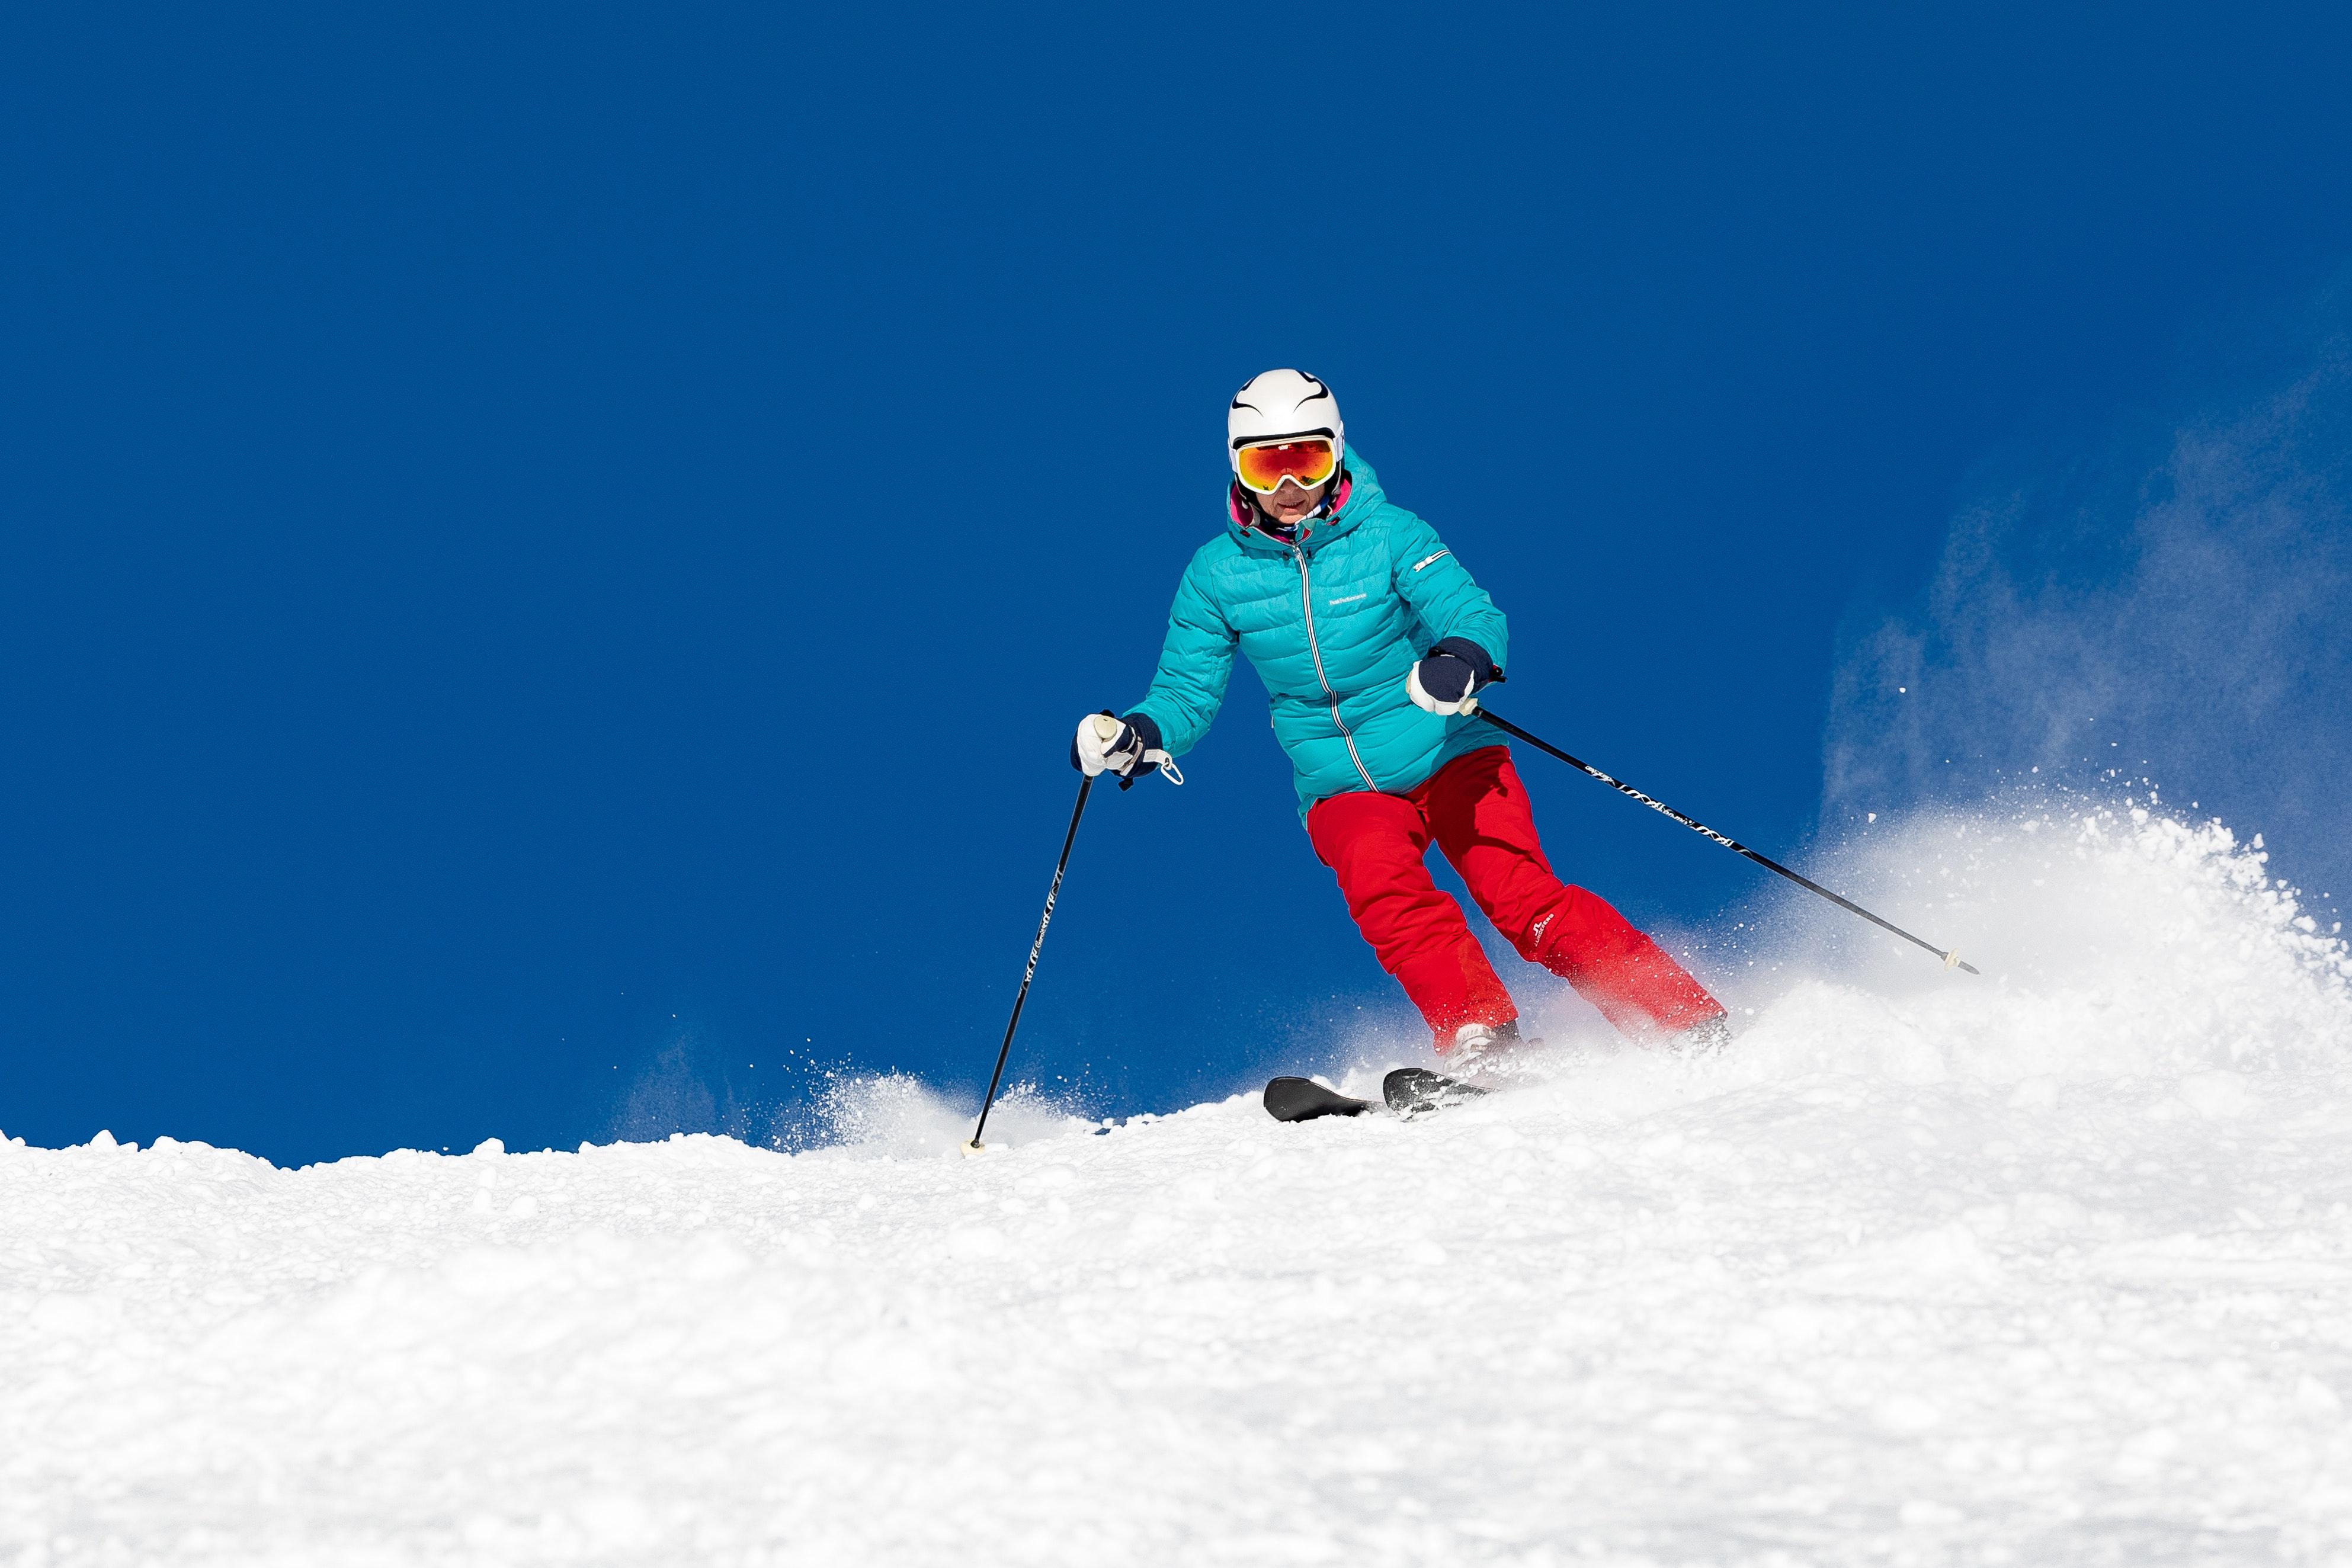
[[533, 538]]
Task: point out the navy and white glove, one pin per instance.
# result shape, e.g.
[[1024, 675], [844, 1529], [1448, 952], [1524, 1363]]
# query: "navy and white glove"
[[1127, 747], [1449, 673]]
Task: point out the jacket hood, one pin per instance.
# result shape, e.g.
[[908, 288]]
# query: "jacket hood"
[[1364, 498]]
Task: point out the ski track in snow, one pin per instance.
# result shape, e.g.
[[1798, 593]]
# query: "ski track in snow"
[[2052, 1268]]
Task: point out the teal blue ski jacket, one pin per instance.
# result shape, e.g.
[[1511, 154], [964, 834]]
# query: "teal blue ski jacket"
[[1332, 626]]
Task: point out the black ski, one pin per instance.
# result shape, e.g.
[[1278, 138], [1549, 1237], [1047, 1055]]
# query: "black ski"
[[1303, 1099], [1415, 1091]]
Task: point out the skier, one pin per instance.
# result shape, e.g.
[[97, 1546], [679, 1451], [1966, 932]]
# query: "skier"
[[1369, 633]]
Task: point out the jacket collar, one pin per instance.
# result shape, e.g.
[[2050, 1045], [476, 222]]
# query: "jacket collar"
[[1358, 492]]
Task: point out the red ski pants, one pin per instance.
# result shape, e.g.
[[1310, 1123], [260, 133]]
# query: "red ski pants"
[[1475, 809]]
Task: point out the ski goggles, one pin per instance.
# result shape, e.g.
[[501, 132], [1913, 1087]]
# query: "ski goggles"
[[1309, 459]]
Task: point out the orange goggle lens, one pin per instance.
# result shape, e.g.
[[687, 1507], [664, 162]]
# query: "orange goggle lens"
[[1264, 468]]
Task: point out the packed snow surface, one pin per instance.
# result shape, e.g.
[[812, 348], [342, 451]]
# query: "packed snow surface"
[[2055, 1267]]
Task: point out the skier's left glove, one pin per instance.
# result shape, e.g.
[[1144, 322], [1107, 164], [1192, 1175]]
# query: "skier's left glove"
[[1449, 673], [1127, 747]]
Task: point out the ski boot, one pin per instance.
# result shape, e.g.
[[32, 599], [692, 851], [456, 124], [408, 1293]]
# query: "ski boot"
[[1480, 1052], [1703, 1039], [1484, 1051]]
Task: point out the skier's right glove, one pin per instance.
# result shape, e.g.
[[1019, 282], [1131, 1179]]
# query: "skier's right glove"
[[1127, 747]]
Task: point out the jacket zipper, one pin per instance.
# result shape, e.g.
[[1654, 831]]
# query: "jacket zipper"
[[1306, 599]]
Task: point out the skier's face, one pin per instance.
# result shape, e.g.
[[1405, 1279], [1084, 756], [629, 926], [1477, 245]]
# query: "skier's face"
[[1291, 502]]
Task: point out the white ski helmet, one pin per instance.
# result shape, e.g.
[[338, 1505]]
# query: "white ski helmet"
[[1276, 403]]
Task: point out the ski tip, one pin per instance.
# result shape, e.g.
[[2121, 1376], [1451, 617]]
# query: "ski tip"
[[1304, 1100], [1416, 1090]]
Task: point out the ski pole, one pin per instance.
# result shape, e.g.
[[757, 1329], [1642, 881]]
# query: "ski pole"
[[1051, 893], [1952, 960]]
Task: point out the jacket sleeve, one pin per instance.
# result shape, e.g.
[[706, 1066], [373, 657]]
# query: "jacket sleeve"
[[1195, 662], [1442, 593]]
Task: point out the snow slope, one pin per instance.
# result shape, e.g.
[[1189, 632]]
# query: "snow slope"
[[2050, 1268]]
